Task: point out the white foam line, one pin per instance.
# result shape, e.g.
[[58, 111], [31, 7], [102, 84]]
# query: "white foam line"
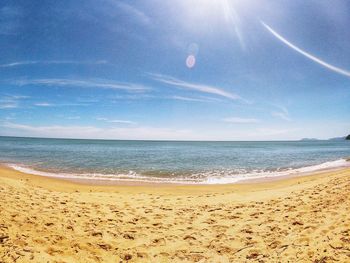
[[269, 174], [212, 177], [133, 177]]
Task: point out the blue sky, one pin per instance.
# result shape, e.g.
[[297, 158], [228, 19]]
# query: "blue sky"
[[182, 69]]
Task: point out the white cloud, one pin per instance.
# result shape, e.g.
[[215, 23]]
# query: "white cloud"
[[89, 83], [194, 86], [91, 132], [306, 54], [239, 120]]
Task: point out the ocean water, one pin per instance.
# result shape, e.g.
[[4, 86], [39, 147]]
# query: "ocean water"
[[170, 161]]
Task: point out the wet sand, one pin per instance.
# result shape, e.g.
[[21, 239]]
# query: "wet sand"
[[301, 219]]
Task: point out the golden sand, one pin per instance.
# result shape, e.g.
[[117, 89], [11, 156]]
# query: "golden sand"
[[304, 219]]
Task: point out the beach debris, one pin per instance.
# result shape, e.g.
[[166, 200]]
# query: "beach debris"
[[127, 256]]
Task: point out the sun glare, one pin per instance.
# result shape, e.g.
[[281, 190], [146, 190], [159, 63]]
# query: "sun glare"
[[204, 14]]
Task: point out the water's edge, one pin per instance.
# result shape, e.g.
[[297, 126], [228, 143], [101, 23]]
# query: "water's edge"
[[214, 179]]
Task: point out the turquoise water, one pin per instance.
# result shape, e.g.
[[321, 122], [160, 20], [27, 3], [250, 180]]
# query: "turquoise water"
[[170, 161]]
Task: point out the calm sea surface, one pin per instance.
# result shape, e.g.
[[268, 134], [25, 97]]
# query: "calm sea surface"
[[170, 161]]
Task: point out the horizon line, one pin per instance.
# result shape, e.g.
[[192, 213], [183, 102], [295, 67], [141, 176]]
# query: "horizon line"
[[169, 140]]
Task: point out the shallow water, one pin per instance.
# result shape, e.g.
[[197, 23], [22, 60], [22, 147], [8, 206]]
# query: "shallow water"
[[170, 161]]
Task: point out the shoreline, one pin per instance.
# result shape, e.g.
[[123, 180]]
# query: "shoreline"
[[304, 218], [293, 172], [261, 183]]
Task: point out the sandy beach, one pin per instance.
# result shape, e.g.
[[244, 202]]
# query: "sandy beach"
[[303, 219]]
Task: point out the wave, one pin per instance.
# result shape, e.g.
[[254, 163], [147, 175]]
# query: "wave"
[[208, 177]]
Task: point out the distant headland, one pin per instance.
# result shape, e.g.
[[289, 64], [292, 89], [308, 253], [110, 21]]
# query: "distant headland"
[[330, 139]]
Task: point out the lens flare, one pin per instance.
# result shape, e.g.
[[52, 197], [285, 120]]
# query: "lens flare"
[[190, 61]]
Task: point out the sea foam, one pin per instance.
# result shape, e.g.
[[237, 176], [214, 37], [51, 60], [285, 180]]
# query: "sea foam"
[[207, 177]]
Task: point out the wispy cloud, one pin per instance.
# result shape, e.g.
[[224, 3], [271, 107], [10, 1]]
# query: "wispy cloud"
[[10, 18], [88, 83], [8, 105], [306, 54], [273, 131], [9, 101], [190, 99], [239, 120], [134, 13], [43, 104], [49, 62], [73, 117], [48, 104], [92, 132], [195, 86], [283, 113], [115, 121]]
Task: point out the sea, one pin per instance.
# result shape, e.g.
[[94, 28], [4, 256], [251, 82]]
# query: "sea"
[[174, 162]]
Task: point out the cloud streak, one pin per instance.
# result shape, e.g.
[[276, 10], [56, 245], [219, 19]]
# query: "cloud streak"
[[116, 121], [92, 132], [194, 86], [238, 120], [104, 84], [8, 105], [50, 62], [10, 20], [306, 54], [282, 114], [190, 99], [11, 101], [43, 104], [134, 12]]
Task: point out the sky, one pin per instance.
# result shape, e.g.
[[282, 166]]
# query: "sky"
[[175, 70]]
